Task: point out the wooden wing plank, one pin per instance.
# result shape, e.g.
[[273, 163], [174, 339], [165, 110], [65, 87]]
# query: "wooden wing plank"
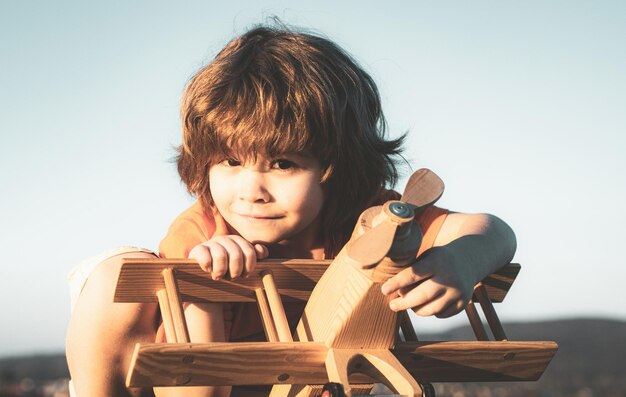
[[266, 363], [245, 363], [475, 361], [499, 282], [140, 279]]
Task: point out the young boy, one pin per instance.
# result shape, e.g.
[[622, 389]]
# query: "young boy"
[[284, 146]]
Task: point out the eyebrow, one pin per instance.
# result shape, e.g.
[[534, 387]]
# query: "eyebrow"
[[304, 156]]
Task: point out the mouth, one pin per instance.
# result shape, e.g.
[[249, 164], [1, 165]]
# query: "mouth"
[[259, 218]]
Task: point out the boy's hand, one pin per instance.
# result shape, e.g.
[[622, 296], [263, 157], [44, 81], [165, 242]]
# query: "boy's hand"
[[438, 283], [230, 254]]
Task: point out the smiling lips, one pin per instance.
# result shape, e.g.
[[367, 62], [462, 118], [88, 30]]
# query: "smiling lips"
[[259, 217]]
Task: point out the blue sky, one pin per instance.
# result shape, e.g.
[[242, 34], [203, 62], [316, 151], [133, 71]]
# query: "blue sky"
[[518, 106]]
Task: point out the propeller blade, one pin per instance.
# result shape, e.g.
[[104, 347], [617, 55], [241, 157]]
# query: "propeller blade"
[[372, 246], [423, 188]]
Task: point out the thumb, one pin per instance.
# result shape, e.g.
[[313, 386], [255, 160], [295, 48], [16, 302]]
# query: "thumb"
[[261, 251]]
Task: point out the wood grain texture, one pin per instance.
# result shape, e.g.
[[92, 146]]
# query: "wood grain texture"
[[347, 310], [166, 315], [424, 187], [337, 362], [266, 316], [490, 313], [176, 306], [384, 366], [291, 391], [265, 363], [407, 327], [498, 283], [140, 279], [381, 365], [276, 308], [475, 321], [476, 361]]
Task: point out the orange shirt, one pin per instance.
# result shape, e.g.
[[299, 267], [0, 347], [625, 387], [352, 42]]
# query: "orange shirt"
[[242, 320]]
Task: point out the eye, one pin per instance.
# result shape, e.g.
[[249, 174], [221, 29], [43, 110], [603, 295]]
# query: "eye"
[[232, 162], [283, 164]]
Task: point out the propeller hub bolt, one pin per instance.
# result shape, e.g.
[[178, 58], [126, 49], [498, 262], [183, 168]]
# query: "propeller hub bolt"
[[401, 210]]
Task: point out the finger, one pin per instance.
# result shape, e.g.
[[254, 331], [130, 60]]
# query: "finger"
[[416, 273], [248, 259], [236, 256], [418, 296], [452, 309], [261, 251], [202, 255], [219, 256], [437, 305], [405, 290]]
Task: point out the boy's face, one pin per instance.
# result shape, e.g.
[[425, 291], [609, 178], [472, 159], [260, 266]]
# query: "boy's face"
[[269, 200]]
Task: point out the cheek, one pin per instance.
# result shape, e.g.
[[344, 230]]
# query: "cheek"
[[219, 188], [310, 199]]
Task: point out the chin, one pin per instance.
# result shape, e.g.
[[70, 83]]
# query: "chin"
[[265, 240]]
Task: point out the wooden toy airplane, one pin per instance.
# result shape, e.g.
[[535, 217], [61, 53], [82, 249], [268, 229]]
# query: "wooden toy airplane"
[[347, 337]]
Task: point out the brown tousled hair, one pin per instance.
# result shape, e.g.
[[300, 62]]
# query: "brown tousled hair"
[[273, 90]]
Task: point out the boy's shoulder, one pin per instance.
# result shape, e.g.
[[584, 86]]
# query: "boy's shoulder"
[[195, 215], [193, 226]]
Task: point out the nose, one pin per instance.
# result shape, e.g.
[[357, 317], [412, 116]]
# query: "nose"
[[252, 186]]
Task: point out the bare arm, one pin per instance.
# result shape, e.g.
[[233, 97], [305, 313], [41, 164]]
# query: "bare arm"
[[468, 248], [483, 241]]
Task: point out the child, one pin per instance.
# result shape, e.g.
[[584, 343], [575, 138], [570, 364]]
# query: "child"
[[284, 146]]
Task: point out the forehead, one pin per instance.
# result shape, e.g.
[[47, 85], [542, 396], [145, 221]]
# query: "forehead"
[[303, 158], [252, 140]]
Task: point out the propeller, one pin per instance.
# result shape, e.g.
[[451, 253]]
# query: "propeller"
[[424, 188]]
